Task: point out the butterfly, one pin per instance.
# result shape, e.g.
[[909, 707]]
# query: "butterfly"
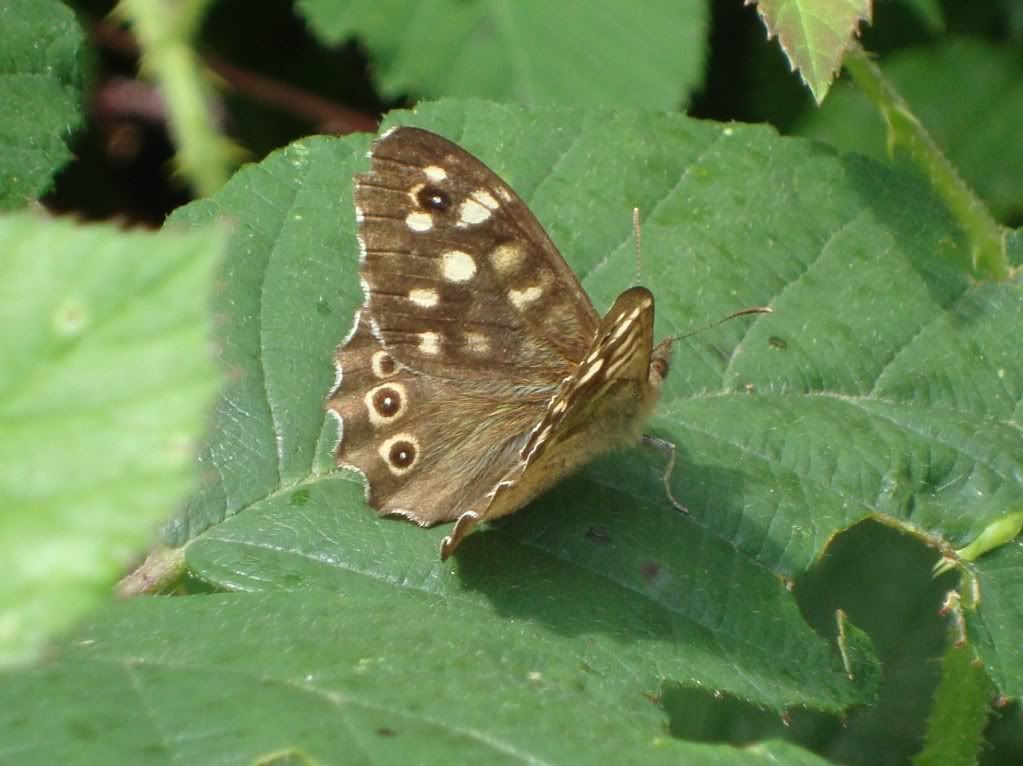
[[477, 373]]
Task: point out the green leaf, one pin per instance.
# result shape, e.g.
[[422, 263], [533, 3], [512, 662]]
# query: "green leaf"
[[814, 34], [352, 678], [103, 386], [41, 90], [885, 386], [601, 52], [996, 534], [981, 78], [881, 578], [858, 397], [994, 616], [961, 706], [929, 12]]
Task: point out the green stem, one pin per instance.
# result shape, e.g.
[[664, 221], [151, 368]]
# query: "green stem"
[[159, 573], [164, 31], [955, 727], [986, 236]]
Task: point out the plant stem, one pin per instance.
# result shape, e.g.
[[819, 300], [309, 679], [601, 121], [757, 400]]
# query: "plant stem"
[[955, 727], [164, 31], [160, 572], [986, 236]]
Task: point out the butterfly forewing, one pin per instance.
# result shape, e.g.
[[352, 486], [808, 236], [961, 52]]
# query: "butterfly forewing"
[[461, 278]]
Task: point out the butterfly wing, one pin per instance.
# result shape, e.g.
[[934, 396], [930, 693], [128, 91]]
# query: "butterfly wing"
[[601, 406], [430, 448], [461, 279], [472, 319]]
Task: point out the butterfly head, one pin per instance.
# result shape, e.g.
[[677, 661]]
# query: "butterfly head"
[[660, 361]]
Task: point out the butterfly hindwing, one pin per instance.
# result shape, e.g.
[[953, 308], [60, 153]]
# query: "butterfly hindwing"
[[399, 429]]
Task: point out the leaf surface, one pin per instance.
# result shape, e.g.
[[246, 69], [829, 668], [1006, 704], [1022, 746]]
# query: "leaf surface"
[[103, 387], [864, 395], [532, 51], [980, 78], [885, 385], [814, 34], [357, 678], [41, 90]]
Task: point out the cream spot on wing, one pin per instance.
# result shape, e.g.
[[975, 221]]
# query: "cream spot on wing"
[[435, 173], [543, 436], [477, 342], [429, 342], [400, 453], [472, 212], [385, 403], [340, 421], [338, 376], [592, 370], [424, 296], [419, 221], [623, 325], [560, 406], [485, 198], [507, 258], [612, 369], [522, 297], [504, 194], [457, 266]]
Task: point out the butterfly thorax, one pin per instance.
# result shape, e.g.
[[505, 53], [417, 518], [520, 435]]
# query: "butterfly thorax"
[[602, 406]]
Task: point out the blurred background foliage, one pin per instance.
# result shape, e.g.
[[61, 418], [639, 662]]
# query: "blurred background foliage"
[[280, 81]]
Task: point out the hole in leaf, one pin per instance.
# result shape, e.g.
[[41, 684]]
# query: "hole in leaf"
[[882, 580]]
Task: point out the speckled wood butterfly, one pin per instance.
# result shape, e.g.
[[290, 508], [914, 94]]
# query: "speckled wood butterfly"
[[478, 373]]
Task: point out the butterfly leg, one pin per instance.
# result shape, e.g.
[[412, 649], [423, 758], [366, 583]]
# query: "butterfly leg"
[[665, 447]]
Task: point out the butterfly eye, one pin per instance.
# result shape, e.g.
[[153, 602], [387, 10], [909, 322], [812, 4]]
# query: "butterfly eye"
[[659, 365], [387, 402], [432, 198], [402, 454]]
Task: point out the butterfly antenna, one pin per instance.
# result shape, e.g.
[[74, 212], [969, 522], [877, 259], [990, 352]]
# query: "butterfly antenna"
[[635, 233], [716, 322]]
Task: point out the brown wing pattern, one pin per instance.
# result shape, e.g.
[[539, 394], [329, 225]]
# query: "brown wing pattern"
[[478, 373], [602, 406], [462, 281], [400, 429]]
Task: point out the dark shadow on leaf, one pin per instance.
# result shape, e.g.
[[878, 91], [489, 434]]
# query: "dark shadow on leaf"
[[942, 263], [607, 552], [882, 579]]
